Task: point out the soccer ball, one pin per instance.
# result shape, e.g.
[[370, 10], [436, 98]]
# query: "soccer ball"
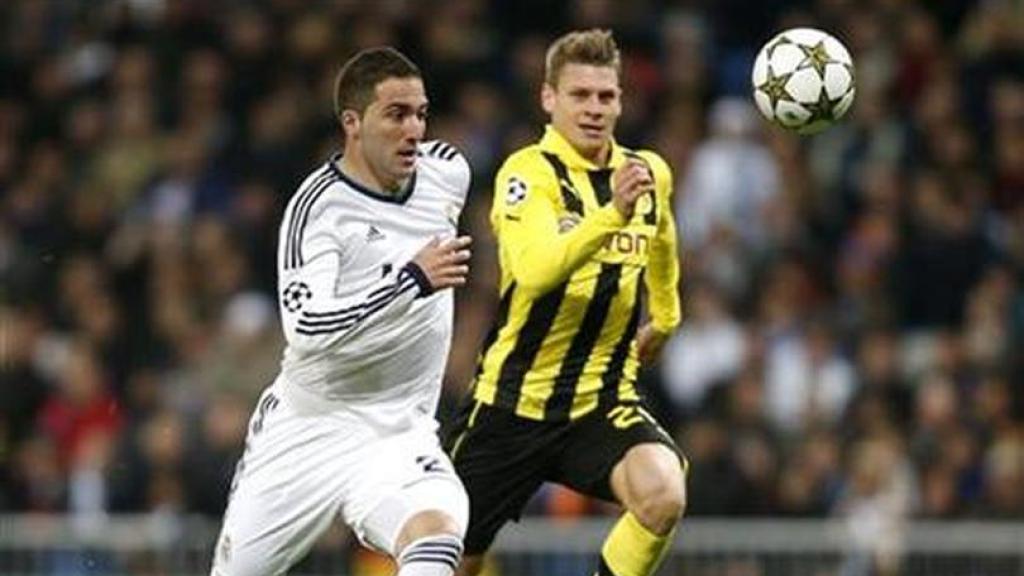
[[803, 80]]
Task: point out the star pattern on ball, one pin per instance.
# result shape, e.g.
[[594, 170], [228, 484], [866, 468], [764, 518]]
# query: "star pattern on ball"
[[822, 109], [294, 295], [780, 41], [774, 87], [852, 72], [816, 57]]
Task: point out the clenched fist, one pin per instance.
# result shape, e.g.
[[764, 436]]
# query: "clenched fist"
[[629, 182]]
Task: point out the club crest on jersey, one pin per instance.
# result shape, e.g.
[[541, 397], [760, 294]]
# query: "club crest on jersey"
[[516, 192], [644, 205], [294, 295]]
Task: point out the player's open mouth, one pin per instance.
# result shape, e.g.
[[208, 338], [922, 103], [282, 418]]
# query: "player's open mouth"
[[592, 130], [407, 156]]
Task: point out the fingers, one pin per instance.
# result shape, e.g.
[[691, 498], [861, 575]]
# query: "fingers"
[[640, 177], [445, 262], [633, 179], [451, 276], [456, 250], [460, 242], [634, 169]]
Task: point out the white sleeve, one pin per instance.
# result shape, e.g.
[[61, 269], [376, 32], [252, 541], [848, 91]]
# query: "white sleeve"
[[462, 177], [319, 311]]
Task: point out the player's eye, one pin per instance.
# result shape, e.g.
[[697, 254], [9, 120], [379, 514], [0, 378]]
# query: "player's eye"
[[397, 113]]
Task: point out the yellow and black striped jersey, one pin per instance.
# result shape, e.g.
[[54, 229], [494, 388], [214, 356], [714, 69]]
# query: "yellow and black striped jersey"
[[571, 269]]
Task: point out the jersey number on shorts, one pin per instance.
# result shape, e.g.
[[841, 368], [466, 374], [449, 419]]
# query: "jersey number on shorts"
[[625, 415], [430, 464]]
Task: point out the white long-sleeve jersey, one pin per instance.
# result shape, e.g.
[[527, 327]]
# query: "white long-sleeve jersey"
[[363, 338]]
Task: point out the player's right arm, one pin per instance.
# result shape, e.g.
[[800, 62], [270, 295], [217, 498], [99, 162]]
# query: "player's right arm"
[[525, 216], [319, 311]]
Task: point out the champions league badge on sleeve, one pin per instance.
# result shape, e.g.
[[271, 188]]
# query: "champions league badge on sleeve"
[[516, 191]]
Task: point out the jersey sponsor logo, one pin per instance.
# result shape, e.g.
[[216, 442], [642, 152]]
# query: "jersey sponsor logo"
[[294, 295], [628, 243], [516, 191]]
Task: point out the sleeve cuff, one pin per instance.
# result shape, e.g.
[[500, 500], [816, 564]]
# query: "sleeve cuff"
[[420, 277], [665, 328], [612, 217]]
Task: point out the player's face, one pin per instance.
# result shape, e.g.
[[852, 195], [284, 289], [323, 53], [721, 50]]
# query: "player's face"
[[391, 127], [584, 107]]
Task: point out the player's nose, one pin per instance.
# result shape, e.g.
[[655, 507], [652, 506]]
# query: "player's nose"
[[414, 128]]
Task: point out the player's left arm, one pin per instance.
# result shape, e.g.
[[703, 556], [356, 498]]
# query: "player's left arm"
[[662, 276]]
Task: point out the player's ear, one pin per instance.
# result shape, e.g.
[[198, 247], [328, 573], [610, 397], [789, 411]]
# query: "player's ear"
[[547, 97], [350, 121]]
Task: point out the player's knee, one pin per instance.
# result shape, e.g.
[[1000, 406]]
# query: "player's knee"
[[436, 507], [661, 511], [428, 524], [660, 500]]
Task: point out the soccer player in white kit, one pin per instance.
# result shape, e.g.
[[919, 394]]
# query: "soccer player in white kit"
[[347, 432]]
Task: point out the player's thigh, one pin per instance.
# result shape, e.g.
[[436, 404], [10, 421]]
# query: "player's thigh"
[[600, 440], [502, 460], [287, 490], [401, 478]]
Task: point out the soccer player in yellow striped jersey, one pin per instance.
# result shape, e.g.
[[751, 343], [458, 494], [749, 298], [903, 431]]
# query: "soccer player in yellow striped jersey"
[[584, 228]]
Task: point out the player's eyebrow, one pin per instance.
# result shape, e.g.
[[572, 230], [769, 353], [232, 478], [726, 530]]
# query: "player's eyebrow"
[[587, 91], [405, 107]]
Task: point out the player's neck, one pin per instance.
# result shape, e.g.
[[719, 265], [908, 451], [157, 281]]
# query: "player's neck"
[[355, 167], [600, 157]]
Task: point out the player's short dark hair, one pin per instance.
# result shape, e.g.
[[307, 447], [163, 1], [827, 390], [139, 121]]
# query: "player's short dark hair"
[[359, 76], [594, 47]]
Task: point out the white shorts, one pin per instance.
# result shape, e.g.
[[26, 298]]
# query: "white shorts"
[[300, 471]]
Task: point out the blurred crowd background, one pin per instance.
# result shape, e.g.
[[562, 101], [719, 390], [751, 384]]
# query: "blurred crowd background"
[[853, 342]]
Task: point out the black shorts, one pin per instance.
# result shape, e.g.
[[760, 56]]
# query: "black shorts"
[[503, 459]]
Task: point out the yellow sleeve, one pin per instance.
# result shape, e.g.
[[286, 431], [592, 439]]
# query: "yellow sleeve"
[[525, 216], [662, 277]]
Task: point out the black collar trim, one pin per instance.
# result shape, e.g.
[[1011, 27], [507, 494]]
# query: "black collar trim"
[[400, 198]]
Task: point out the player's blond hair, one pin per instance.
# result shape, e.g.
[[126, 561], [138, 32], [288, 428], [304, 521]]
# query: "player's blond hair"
[[595, 47]]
